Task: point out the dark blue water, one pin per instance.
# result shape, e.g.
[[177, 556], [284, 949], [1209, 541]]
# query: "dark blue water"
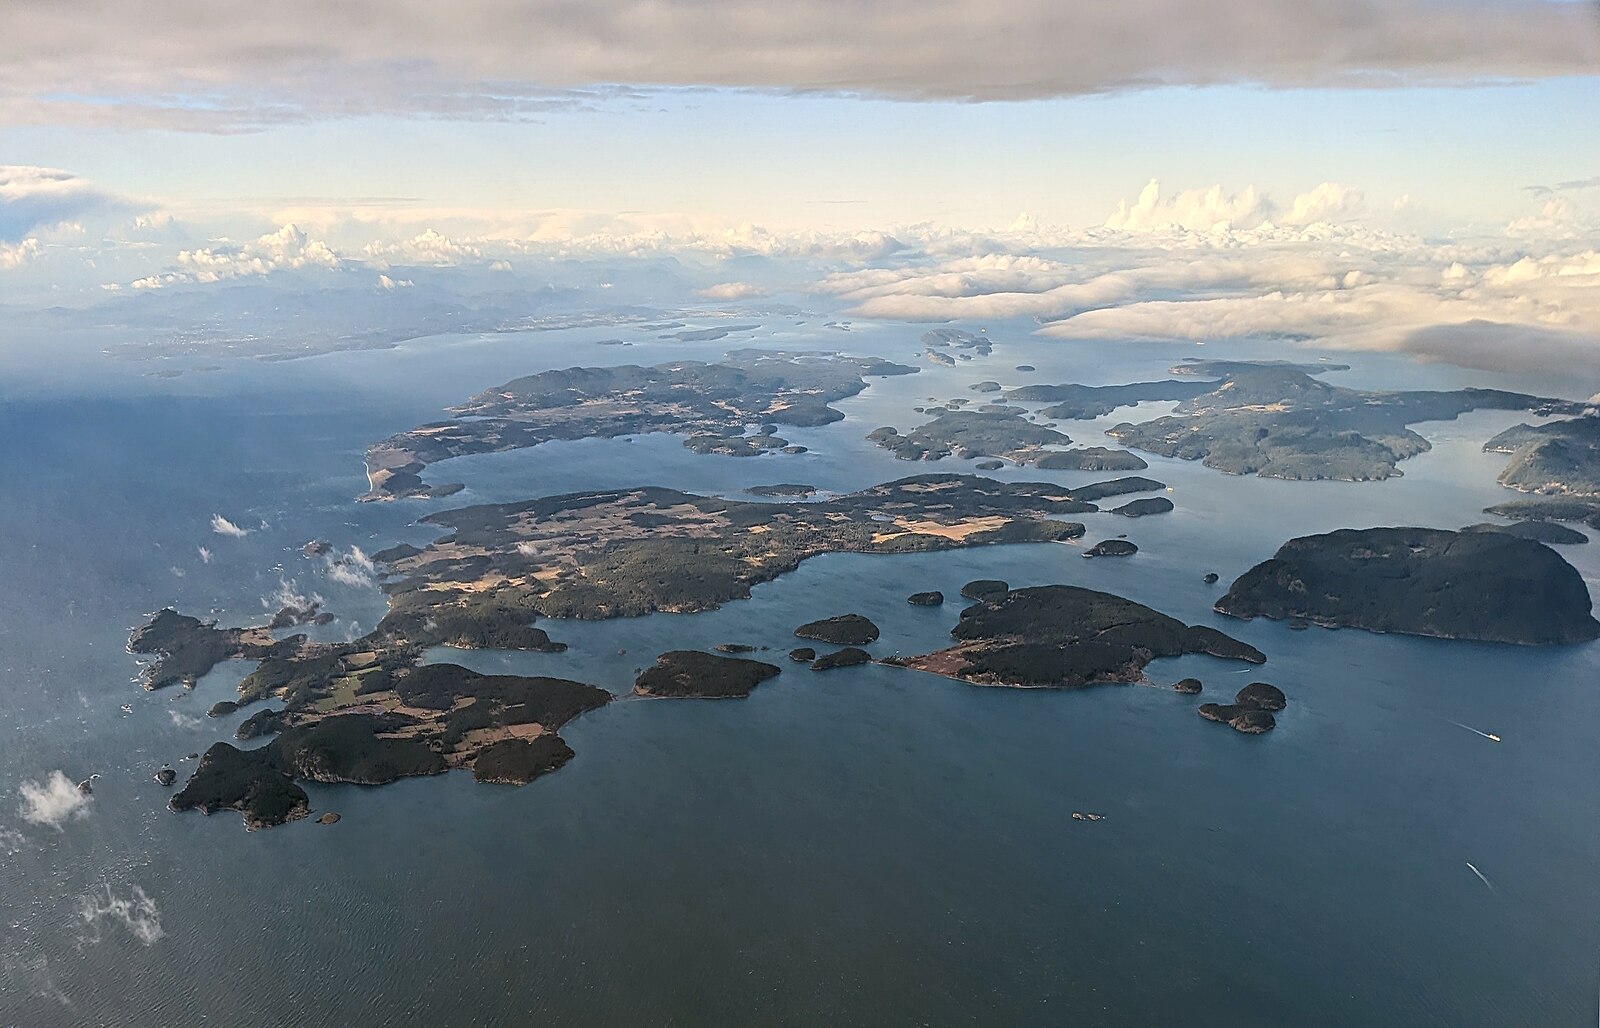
[[869, 846]]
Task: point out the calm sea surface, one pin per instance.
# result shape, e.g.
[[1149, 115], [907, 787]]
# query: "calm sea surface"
[[870, 846]]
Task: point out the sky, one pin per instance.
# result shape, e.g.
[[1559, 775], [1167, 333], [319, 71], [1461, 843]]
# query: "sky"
[[166, 145]]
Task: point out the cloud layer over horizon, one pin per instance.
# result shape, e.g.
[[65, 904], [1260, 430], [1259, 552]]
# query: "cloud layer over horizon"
[[232, 65]]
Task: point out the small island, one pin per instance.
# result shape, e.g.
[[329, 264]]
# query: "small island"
[[844, 630], [1548, 532], [1144, 507], [1251, 711], [1067, 637], [1485, 586], [850, 656], [1091, 458], [692, 674], [931, 598], [1111, 548]]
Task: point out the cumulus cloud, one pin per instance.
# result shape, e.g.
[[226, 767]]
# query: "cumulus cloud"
[[1212, 210], [389, 285], [1329, 201], [222, 526], [428, 247], [733, 291], [136, 912], [205, 555], [1197, 210], [15, 255], [287, 249], [54, 801], [300, 59]]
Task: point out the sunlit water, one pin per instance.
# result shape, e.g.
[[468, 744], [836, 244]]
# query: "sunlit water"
[[868, 846]]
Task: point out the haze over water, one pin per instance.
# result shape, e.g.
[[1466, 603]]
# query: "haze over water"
[[868, 846]]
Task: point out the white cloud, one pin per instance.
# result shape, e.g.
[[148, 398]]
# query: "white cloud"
[[500, 266], [34, 199], [222, 526], [354, 569], [389, 285], [733, 291], [136, 912], [1329, 201], [259, 65], [205, 555], [54, 801], [15, 255], [182, 720], [288, 594], [426, 248], [1195, 210]]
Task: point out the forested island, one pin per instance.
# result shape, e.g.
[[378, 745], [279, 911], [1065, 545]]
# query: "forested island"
[[1067, 637], [1487, 586]]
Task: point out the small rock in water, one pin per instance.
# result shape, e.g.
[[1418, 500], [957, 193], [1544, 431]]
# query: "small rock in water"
[[166, 776], [328, 819]]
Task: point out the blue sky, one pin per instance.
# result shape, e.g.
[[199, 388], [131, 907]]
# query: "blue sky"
[[1463, 154], [1415, 175]]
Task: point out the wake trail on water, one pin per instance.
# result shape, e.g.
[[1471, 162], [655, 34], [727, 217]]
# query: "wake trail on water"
[[1487, 735]]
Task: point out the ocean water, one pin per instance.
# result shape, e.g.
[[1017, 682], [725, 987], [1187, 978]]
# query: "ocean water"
[[869, 846]]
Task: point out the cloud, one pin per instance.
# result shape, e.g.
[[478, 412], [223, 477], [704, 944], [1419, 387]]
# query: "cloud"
[[182, 720], [34, 198], [354, 569], [514, 59], [222, 526], [733, 291], [205, 555], [136, 912], [15, 255], [1569, 186], [1197, 210], [389, 285], [288, 594], [1329, 201], [428, 247], [54, 801], [1211, 210]]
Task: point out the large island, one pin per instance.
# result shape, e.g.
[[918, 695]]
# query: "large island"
[[1066, 637], [732, 408], [1488, 586], [1279, 420], [370, 710]]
